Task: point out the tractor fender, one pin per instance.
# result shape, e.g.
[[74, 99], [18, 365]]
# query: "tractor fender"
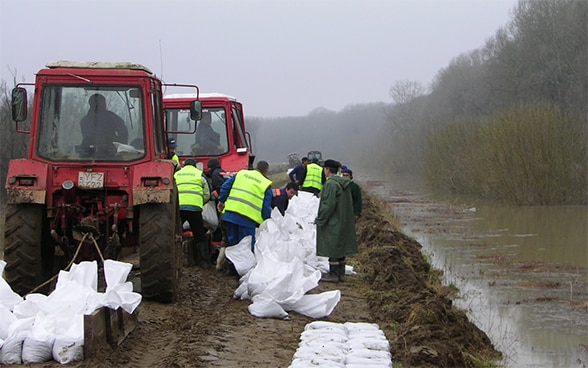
[[26, 181], [146, 174]]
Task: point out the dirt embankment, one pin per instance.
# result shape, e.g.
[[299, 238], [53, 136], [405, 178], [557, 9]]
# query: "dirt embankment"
[[394, 287]]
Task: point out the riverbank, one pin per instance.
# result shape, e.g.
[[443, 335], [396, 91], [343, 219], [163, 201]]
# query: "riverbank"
[[394, 287]]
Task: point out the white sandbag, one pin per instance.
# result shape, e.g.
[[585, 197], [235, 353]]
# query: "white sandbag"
[[30, 305], [6, 319], [84, 273], [352, 361], [38, 344], [266, 308], [116, 272], [8, 298], [369, 354], [210, 216], [318, 305], [309, 352], [69, 343], [370, 343], [11, 351], [241, 256], [360, 326], [313, 363], [325, 325], [312, 335], [324, 343]]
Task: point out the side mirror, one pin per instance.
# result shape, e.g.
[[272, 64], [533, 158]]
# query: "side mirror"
[[19, 104], [196, 110]]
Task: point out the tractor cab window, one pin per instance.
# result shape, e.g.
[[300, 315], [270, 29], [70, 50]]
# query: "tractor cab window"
[[207, 137], [78, 123]]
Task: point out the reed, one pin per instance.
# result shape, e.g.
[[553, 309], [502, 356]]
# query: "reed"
[[532, 155]]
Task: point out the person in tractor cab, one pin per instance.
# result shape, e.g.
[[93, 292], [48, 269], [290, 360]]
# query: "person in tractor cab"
[[100, 126], [207, 140], [246, 199], [193, 193], [298, 173], [281, 197], [315, 178], [172, 145]]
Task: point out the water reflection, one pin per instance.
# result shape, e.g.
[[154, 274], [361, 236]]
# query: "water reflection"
[[522, 271]]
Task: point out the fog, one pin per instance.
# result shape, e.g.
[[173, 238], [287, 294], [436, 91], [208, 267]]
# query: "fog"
[[280, 58]]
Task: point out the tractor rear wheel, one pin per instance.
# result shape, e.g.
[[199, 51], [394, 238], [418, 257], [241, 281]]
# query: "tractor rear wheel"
[[23, 253], [160, 245]]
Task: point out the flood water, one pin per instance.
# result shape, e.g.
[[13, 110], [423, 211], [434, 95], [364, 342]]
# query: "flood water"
[[522, 271]]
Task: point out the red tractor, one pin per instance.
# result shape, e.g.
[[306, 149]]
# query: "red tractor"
[[97, 182], [220, 133]]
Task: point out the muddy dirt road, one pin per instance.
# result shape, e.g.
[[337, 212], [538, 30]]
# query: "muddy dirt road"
[[395, 287]]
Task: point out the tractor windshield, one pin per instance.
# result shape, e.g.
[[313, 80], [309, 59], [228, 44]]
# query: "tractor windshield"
[[81, 123], [210, 137]]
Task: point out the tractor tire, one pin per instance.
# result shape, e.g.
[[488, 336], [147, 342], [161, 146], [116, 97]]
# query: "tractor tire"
[[23, 253], [160, 247]]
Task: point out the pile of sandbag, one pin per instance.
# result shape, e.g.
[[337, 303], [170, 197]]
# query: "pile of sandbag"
[[346, 345], [284, 266], [38, 328]]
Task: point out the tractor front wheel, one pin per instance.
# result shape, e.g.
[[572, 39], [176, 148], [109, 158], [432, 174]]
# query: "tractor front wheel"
[[23, 253], [159, 249]]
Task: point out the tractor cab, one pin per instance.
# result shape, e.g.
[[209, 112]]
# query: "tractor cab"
[[220, 132]]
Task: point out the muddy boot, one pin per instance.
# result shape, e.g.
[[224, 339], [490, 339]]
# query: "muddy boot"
[[221, 260], [203, 254], [341, 271], [333, 275], [189, 245]]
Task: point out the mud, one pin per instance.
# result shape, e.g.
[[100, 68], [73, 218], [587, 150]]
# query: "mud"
[[394, 287]]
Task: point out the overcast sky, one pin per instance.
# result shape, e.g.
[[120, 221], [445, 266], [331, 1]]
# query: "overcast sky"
[[279, 57]]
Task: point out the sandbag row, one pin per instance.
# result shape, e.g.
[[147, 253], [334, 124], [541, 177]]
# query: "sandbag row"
[[342, 345]]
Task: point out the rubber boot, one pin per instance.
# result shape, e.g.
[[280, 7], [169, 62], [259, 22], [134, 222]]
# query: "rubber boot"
[[221, 260], [203, 254], [333, 275], [341, 271]]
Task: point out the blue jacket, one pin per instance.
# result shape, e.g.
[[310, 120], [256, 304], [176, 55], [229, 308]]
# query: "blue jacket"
[[298, 174]]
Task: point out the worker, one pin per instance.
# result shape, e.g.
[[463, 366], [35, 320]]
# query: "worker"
[[172, 145], [246, 200], [315, 178], [355, 192], [207, 139], [298, 173], [101, 127], [335, 223], [281, 197], [193, 192], [218, 176]]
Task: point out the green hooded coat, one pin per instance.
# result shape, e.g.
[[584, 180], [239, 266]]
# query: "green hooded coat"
[[335, 222]]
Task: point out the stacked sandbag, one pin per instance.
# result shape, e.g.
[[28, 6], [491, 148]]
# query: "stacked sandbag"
[[38, 328], [347, 345]]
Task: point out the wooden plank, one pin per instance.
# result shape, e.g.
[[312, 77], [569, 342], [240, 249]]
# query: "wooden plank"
[[105, 329]]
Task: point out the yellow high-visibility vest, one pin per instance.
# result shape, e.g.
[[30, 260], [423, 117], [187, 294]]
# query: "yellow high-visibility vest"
[[247, 193], [314, 176], [190, 189]]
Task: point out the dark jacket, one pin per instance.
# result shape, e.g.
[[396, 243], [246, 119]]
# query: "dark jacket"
[[298, 174], [280, 200], [356, 197], [335, 222]]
